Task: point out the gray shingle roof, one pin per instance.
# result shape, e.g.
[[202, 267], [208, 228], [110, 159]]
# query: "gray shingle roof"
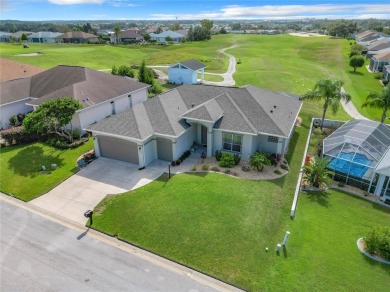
[[88, 86], [76, 35], [193, 64], [247, 110]]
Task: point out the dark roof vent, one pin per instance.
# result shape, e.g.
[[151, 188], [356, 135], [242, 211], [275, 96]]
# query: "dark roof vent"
[[193, 105], [274, 106], [271, 111]]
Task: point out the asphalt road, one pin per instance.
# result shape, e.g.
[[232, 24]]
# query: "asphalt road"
[[37, 254]]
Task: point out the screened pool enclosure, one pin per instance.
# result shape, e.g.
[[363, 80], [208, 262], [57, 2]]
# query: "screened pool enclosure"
[[355, 150]]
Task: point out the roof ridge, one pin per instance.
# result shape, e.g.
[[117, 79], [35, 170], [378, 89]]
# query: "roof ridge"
[[141, 105], [242, 114], [165, 112], [277, 126]]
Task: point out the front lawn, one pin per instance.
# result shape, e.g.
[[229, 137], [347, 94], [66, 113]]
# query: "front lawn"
[[20, 166]]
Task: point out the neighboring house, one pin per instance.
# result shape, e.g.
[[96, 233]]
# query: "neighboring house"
[[77, 37], [14, 70], [369, 39], [127, 36], [236, 120], [186, 72], [378, 47], [43, 37], [162, 37], [100, 94], [182, 32], [378, 62], [17, 36], [359, 154], [364, 34], [4, 36], [105, 32], [386, 73]]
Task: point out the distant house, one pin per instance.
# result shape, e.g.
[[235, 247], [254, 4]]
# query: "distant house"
[[186, 72], [105, 32], [99, 93], [235, 120], [361, 35], [162, 37], [378, 47], [77, 37], [378, 62], [366, 41], [43, 37], [127, 36], [15, 70], [4, 36], [17, 36]]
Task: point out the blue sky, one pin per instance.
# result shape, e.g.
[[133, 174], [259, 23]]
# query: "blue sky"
[[182, 9]]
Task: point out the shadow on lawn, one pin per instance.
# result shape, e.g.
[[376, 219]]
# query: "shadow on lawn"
[[29, 161], [319, 197], [355, 73]]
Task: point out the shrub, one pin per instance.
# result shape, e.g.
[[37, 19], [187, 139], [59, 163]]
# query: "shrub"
[[227, 160], [218, 155], [193, 168], [205, 167], [284, 166], [178, 162], [13, 120], [378, 76], [385, 82], [377, 242], [277, 171], [215, 169], [20, 117], [173, 163], [227, 171], [259, 160], [341, 184], [76, 133], [17, 135], [237, 159]]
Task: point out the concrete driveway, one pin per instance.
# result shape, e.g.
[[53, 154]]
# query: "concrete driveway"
[[85, 189]]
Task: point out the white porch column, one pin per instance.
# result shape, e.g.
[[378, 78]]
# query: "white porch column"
[[174, 154], [96, 146], [209, 141], [379, 185], [141, 155]]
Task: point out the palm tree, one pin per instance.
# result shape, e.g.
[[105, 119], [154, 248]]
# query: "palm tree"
[[317, 174], [117, 31], [259, 160], [379, 100], [331, 91]]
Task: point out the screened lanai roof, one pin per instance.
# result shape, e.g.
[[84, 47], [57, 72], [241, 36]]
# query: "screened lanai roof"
[[360, 142]]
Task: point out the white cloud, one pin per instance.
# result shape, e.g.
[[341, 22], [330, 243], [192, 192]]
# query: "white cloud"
[[72, 2], [294, 11], [121, 3]]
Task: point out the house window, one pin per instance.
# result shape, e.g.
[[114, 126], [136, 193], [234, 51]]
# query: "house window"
[[231, 142], [273, 139], [130, 100], [112, 108]]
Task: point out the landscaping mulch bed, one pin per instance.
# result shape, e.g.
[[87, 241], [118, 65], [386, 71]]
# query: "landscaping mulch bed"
[[266, 174]]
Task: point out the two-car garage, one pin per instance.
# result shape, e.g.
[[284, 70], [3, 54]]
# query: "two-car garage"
[[125, 150]]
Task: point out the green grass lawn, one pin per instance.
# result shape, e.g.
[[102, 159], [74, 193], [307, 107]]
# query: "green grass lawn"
[[20, 166]]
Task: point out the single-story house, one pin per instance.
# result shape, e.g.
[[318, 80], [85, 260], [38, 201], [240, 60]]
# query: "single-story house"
[[378, 62], [127, 36], [359, 155], [369, 39], [364, 34], [386, 73], [378, 47], [14, 70], [162, 37], [4, 36], [17, 36], [236, 120], [77, 37], [43, 37], [100, 94], [186, 72]]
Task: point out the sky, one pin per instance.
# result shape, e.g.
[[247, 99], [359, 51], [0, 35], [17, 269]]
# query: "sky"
[[189, 9]]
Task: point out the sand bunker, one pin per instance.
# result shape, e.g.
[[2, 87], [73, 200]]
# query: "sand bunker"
[[29, 55], [306, 34]]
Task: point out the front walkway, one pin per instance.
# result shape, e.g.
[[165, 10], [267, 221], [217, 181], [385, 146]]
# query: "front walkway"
[[104, 176]]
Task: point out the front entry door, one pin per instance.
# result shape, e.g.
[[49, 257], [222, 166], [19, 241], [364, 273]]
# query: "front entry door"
[[204, 136]]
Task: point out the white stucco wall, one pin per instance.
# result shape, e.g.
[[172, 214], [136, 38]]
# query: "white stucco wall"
[[181, 75], [184, 142], [150, 149], [98, 112], [268, 147], [8, 110]]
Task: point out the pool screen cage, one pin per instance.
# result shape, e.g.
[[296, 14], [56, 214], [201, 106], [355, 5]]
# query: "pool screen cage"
[[354, 150]]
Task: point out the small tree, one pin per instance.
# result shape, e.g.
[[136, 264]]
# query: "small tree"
[[317, 174], [222, 31], [24, 37], [114, 70], [356, 61], [147, 37], [169, 39], [377, 242], [259, 160], [331, 92], [117, 31], [207, 24], [190, 35], [145, 74], [52, 117], [379, 100]]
